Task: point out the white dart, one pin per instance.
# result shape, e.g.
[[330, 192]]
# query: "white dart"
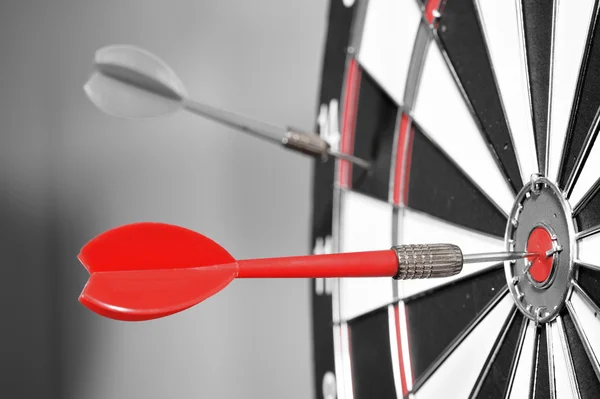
[[130, 82]]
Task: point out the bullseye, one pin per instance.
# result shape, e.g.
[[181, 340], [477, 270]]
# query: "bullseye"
[[540, 223], [540, 242]]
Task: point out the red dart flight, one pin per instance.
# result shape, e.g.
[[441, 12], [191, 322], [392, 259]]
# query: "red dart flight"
[[144, 271]]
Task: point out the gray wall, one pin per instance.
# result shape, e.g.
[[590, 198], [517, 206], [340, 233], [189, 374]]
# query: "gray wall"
[[69, 172]]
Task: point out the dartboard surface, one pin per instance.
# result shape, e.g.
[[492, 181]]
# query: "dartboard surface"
[[480, 119]]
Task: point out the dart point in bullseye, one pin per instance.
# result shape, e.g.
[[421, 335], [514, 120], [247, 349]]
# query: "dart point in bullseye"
[[144, 271]]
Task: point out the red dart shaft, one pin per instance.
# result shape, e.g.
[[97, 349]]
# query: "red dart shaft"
[[359, 264]]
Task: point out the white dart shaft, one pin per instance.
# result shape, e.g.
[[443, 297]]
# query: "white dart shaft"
[[304, 142], [256, 128], [495, 256]]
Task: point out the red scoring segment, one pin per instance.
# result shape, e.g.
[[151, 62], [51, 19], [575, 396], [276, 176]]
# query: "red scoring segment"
[[540, 242], [403, 155], [430, 7], [350, 105]]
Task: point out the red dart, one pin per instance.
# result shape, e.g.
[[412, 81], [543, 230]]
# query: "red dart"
[[144, 271]]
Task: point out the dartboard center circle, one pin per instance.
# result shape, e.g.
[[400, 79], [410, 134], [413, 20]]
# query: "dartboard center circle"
[[540, 223], [541, 243]]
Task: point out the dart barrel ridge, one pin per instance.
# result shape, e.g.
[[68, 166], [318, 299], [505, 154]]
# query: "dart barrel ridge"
[[306, 143], [427, 261]]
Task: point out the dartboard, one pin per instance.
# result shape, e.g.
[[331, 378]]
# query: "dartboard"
[[479, 118]]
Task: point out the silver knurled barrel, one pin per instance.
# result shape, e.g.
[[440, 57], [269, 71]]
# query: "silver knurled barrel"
[[306, 143], [427, 261]]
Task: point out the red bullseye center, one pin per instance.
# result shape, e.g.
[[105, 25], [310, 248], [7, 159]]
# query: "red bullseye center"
[[540, 242]]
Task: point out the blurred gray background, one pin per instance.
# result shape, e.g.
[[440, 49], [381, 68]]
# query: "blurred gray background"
[[69, 172]]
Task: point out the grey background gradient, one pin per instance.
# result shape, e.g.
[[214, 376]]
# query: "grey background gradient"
[[69, 172]]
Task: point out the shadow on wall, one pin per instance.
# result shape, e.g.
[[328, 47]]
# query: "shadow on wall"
[[38, 289], [68, 172]]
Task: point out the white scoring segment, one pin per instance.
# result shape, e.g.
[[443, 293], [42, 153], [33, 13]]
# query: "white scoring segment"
[[503, 36], [589, 250], [346, 361], [443, 113], [589, 321], [338, 360], [588, 176], [524, 372], [343, 368], [366, 226], [571, 31], [389, 34], [418, 228], [456, 377], [562, 381]]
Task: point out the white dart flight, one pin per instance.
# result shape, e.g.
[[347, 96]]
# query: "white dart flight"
[[130, 82]]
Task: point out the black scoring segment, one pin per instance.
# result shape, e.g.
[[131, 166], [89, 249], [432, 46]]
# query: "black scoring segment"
[[374, 138], [334, 64], [495, 381], [370, 354], [439, 188], [587, 214], [435, 320], [541, 381], [585, 107], [589, 280], [588, 383], [538, 21], [462, 38]]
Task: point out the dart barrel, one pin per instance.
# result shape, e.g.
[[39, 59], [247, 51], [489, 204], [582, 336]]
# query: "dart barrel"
[[306, 143], [427, 261]]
